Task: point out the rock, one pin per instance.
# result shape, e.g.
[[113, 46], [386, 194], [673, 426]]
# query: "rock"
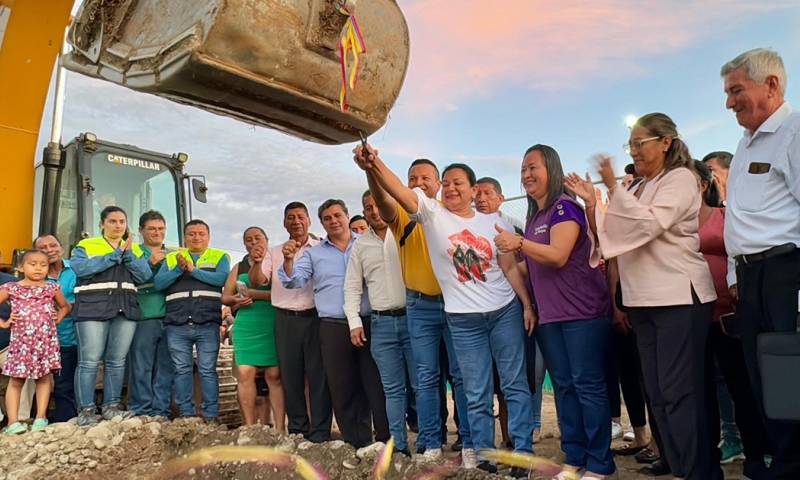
[[99, 444], [64, 430], [154, 428], [244, 440], [192, 472], [336, 444], [131, 423], [24, 473], [53, 447], [100, 431], [29, 457], [63, 459], [117, 440], [305, 445], [370, 450], [117, 419], [92, 464]]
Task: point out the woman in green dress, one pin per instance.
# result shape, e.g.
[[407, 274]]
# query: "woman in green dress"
[[253, 331]]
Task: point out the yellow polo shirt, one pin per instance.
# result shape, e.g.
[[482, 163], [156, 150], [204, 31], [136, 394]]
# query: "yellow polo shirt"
[[414, 259]]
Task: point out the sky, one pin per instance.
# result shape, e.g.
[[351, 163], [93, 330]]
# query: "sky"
[[483, 84]]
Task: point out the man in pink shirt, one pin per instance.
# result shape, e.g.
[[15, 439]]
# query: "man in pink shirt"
[[297, 336]]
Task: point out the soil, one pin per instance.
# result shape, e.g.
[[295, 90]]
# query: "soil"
[[142, 447]]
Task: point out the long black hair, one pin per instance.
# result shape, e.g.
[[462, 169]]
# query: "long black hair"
[[711, 195], [555, 178]]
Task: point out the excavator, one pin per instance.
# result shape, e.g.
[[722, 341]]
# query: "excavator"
[[326, 71]]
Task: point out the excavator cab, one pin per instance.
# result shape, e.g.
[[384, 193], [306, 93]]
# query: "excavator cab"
[[90, 174], [274, 63]]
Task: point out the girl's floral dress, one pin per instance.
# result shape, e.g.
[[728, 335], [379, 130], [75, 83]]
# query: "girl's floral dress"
[[34, 350]]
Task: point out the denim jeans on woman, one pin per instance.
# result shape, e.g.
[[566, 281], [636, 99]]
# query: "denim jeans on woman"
[[391, 348], [477, 339], [180, 340], [575, 354], [107, 342], [426, 327]]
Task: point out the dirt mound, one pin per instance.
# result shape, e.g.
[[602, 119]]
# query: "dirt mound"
[[139, 448]]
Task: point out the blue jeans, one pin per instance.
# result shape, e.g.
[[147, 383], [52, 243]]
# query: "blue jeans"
[[477, 339], [106, 342], [575, 353], [539, 379], [391, 349], [150, 371], [205, 337], [427, 326]]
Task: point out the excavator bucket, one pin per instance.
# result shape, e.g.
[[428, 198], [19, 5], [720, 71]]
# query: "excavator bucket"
[[275, 63]]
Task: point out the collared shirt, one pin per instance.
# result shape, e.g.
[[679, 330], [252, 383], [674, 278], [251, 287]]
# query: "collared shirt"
[[151, 301], [377, 262], [66, 280], [519, 225], [323, 266], [763, 209], [295, 299], [414, 258], [656, 240]]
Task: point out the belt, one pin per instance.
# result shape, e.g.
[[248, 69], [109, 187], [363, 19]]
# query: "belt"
[[193, 294], [766, 254], [311, 312], [93, 287], [432, 298], [397, 312]]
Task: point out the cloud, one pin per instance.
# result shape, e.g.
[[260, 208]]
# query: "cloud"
[[471, 48]]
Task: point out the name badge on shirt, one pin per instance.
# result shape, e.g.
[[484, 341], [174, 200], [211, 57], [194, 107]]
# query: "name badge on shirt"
[[758, 168]]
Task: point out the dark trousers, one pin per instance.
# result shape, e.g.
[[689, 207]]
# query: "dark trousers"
[[671, 343], [624, 371], [728, 353], [768, 296], [300, 358], [64, 386], [354, 382]]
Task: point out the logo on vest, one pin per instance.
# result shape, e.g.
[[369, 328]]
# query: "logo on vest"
[[133, 162]]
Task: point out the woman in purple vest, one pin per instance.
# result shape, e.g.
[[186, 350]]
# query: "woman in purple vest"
[[574, 311]]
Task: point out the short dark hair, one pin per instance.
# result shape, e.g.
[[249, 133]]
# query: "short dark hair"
[[196, 221], [149, 216], [39, 237], [293, 206], [630, 169], [493, 182], [464, 168], [356, 218], [330, 203], [723, 158], [424, 161], [244, 234], [366, 194], [109, 210], [711, 197]]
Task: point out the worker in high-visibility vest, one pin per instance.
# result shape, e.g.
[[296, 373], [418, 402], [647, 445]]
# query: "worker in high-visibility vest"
[[192, 279], [106, 310]]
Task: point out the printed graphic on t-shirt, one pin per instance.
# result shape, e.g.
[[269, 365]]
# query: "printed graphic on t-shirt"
[[471, 256]]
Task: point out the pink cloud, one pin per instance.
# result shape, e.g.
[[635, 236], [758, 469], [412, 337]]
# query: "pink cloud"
[[477, 48]]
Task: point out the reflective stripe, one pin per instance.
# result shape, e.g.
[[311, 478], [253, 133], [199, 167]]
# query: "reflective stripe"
[[195, 294], [96, 286], [145, 286], [176, 296], [127, 286]]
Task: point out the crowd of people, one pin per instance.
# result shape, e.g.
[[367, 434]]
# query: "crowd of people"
[[660, 288]]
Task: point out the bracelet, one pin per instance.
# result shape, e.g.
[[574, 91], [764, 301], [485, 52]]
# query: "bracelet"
[[521, 240]]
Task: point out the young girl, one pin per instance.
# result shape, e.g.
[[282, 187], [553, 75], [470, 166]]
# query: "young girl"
[[34, 350]]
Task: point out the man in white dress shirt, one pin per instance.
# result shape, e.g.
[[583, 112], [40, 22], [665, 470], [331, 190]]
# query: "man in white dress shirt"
[[762, 222], [375, 261]]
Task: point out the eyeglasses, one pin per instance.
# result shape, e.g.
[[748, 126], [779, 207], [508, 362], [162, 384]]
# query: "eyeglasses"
[[637, 144]]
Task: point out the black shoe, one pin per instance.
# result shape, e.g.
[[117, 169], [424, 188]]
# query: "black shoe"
[[519, 472], [421, 450], [456, 447], [656, 469], [487, 466], [405, 452], [413, 426], [508, 445]]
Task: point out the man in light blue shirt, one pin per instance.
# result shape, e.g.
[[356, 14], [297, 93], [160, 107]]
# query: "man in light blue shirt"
[[61, 272], [353, 377]]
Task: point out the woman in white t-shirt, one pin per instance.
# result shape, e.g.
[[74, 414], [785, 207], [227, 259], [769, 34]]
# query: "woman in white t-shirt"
[[482, 290]]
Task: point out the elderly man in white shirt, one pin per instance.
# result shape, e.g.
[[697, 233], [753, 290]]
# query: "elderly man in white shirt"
[[375, 262], [762, 223]]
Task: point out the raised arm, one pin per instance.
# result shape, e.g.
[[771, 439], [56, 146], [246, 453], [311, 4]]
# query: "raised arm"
[[295, 274], [386, 179]]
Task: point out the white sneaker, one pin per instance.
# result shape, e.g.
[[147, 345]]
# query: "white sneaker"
[[629, 437], [616, 430], [469, 459], [430, 455]]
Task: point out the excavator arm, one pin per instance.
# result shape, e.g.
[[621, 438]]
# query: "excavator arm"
[[32, 39]]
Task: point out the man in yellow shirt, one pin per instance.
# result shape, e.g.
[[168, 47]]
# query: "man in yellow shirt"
[[425, 309]]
